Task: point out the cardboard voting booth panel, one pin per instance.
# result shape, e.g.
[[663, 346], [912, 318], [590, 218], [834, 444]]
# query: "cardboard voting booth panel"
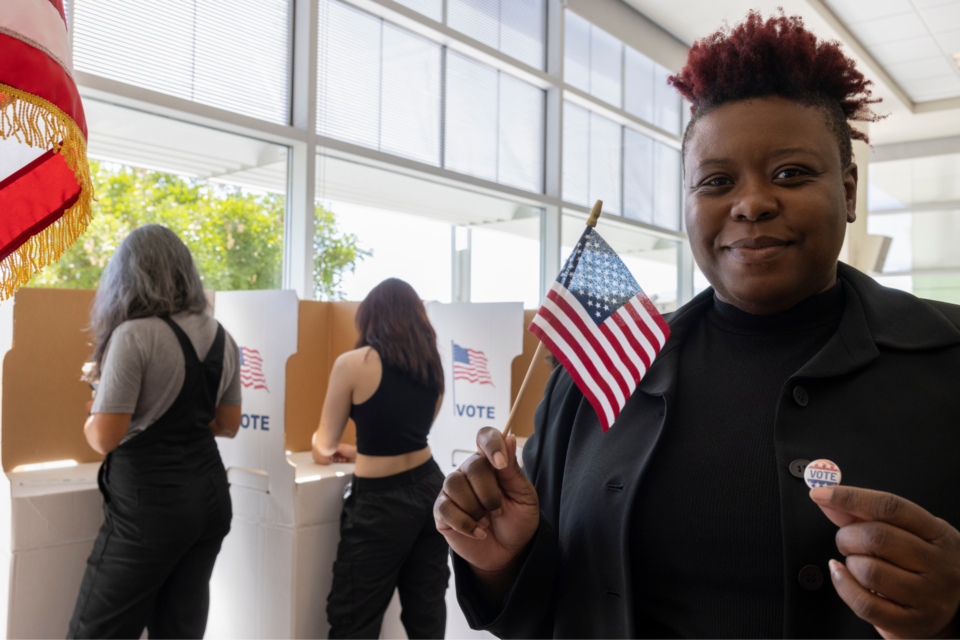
[[275, 570], [478, 343], [50, 517]]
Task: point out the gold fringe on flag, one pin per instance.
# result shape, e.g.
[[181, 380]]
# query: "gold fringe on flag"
[[38, 123]]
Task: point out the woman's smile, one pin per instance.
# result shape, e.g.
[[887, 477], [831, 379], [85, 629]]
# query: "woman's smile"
[[757, 250]]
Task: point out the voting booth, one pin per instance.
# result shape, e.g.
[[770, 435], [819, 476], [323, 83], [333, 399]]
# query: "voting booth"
[[49, 517], [275, 569], [274, 572]]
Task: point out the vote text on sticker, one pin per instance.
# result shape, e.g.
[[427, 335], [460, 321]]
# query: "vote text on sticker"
[[822, 473]]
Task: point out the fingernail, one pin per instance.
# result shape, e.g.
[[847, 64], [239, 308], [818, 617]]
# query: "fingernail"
[[499, 461], [480, 533], [822, 494], [834, 569]]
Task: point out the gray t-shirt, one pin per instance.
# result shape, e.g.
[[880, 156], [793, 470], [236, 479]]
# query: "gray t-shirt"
[[143, 368]]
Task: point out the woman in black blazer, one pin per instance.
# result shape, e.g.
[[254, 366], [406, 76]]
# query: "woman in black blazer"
[[690, 516]]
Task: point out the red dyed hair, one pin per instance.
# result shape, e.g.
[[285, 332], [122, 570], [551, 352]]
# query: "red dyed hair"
[[777, 57]]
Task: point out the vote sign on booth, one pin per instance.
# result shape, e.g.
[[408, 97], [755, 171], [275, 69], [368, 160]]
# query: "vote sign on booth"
[[478, 343]]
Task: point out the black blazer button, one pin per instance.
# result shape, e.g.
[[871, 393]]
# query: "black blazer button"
[[811, 577], [800, 396], [797, 467]]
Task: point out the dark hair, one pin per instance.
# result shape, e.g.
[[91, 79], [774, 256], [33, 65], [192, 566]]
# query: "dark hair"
[[777, 57], [150, 274], [393, 321]]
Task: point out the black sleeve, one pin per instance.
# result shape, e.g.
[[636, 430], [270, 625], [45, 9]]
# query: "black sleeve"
[[527, 608]]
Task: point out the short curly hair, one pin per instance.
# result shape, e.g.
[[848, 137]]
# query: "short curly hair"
[[777, 57]]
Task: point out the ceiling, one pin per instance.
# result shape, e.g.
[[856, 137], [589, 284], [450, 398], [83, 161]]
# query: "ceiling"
[[904, 46], [913, 39]]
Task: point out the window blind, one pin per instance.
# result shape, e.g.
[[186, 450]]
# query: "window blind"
[[666, 190], [576, 51], [494, 125], [592, 154], [515, 27], [638, 84], [470, 143], [377, 85], [651, 181], [576, 154], [666, 102], [433, 9], [230, 54], [592, 59]]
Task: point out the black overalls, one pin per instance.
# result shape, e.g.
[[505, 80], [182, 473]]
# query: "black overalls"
[[167, 509]]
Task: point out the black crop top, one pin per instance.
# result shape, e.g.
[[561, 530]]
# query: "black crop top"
[[397, 417]]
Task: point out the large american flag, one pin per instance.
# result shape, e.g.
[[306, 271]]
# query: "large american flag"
[[470, 365], [600, 325], [251, 369]]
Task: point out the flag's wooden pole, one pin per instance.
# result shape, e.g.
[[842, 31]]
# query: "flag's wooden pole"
[[538, 354]]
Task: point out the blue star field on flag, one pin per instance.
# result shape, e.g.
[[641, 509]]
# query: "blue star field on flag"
[[597, 277]]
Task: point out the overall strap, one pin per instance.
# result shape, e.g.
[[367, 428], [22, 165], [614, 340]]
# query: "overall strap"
[[189, 353], [215, 354]]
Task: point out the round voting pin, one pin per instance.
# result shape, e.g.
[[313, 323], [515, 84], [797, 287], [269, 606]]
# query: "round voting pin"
[[821, 473]]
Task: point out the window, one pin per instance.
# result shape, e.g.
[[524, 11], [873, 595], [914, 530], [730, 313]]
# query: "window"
[[381, 87], [595, 62], [223, 194], [433, 9], [440, 238], [514, 27], [592, 60], [494, 125], [230, 54], [378, 85], [505, 260], [591, 159], [651, 181]]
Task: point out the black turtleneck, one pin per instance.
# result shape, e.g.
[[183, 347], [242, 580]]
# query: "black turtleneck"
[[707, 548]]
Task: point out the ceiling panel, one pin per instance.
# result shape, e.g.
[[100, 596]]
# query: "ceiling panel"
[[888, 29], [912, 39], [943, 17], [950, 40], [907, 50], [898, 33], [854, 10]]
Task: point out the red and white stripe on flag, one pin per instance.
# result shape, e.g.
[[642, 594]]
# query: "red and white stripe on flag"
[[605, 358]]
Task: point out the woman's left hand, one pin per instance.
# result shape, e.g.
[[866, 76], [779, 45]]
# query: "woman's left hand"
[[902, 573], [345, 453]]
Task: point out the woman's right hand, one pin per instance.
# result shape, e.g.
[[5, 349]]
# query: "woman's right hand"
[[488, 510]]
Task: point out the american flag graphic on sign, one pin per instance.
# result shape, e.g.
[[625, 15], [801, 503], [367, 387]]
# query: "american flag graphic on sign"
[[600, 325], [470, 365], [251, 369]]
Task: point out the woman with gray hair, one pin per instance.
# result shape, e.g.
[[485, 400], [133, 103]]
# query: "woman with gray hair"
[[169, 382]]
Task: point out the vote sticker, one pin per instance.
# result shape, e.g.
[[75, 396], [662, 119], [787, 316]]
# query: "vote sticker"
[[821, 473]]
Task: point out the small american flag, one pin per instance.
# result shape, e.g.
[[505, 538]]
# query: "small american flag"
[[600, 325], [470, 365], [251, 369]]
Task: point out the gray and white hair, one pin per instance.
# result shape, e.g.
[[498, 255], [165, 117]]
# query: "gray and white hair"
[[150, 274]]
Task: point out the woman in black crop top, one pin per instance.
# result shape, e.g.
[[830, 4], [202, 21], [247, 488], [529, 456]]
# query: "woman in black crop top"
[[392, 386]]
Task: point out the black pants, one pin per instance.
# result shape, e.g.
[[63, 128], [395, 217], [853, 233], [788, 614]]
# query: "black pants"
[[151, 563], [388, 539]]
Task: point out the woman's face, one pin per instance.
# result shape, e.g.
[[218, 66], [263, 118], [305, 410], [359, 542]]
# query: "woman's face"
[[767, 202]]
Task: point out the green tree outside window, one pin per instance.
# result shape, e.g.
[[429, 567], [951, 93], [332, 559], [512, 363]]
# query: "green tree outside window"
[[236, 237]]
